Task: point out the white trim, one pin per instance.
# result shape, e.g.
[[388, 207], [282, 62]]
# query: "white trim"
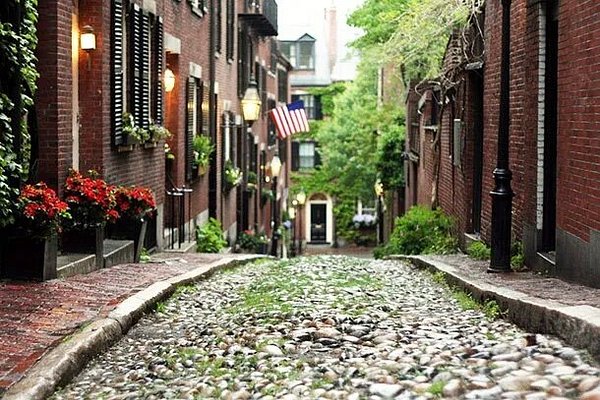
[[328, 218], [541, 114]]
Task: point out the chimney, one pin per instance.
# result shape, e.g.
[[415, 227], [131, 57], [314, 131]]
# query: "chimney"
[[332, 33]]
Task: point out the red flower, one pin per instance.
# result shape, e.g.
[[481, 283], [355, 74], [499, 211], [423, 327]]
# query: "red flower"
[[91, 199], [135, 202], [41, 210]]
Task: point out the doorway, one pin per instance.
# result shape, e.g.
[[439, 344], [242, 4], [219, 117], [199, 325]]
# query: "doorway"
[[476, 80], [550, 128], [318, 223]]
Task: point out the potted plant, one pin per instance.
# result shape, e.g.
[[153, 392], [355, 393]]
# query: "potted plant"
[[158, 133], [232, 175], [203, 149], [135, 206], [133, 134], [250, 241], [266, 195], [365, 224], [92, 204], [29, 247], [251, 181]]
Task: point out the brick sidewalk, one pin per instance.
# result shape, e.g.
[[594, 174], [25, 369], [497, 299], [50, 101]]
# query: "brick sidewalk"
[[34, 317]]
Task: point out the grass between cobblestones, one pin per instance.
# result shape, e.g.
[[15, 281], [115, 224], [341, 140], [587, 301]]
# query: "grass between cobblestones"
[[465, 300]]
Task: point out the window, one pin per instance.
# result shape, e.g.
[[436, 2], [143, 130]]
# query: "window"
[[274, 56], [199, 7], [193, 122], [288, 49], [306, 154], [219, 25], [136, 68], [310, 103], [306, 58], [282, 86], [300, 53], [230, 28], [272, 134]]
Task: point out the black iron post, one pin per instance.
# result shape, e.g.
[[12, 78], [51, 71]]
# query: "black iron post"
[[502, 194], [379, 220], [275, 234], [301, 230]]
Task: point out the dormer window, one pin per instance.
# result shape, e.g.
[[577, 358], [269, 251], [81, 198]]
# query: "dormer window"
[[301, 52]]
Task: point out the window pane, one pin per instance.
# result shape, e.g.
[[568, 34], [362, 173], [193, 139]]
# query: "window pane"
[[305, 58], [307, 155]]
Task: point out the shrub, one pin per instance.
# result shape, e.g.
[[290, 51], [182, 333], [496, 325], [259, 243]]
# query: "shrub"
[[420, 231], [517, 260], [479, 251], [209, 237], [249, 240]]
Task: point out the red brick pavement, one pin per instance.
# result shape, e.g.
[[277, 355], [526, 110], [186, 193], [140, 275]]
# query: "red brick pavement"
[[34, 317]]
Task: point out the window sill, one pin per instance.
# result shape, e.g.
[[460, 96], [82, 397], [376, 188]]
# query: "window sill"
[[125, 148], [198, 12]]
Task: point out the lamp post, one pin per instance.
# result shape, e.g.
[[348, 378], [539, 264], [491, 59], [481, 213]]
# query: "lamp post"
[[292, 215], [251, 110], [301, 199], [379, 192], [502, 194], [275, 170]]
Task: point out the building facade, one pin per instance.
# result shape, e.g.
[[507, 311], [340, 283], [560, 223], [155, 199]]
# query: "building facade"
[[553, 142]]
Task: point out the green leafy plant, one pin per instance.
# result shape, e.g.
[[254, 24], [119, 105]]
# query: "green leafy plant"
[[209, 237], [251, 241], [158, 132], [266, 194], [251, 181], [479, 251], [132, 131], [203, 149], [17, 89], [233, 175], [517, 261], [420, 231]]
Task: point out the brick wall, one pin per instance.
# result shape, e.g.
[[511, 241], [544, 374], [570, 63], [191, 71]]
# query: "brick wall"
[[54, 94]]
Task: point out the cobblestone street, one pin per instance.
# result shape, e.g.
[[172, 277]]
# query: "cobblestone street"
[[336, 328]]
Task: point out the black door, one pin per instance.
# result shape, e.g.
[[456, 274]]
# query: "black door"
[[550, 129], [477, 81], [318, 223]]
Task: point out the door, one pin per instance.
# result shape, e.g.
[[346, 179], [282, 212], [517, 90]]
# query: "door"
[[477, 80], [550, 129], [318, 223]]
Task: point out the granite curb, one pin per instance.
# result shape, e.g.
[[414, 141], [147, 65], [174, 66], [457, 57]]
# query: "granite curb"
[[63, 362], [577, 325]]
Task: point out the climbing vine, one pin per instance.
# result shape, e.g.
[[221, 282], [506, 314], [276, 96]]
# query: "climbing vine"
[[18, 40]]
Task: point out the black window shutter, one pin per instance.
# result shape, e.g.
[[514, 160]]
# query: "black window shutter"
[[318, 108], [117, 72], [189, 129], [158, 71], [295, 156], [136, 62], [230, 28], [317, 156], [145, 70]]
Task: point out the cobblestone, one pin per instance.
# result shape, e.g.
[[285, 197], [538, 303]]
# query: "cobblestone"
[[331, 328]]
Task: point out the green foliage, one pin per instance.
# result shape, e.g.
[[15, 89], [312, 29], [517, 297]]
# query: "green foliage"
[[390, 163], [420, 231], [517, 261], [145, 256], [17, 63], [378, 19], [479, 251], [327, 95], [203, 149], [209, 237]]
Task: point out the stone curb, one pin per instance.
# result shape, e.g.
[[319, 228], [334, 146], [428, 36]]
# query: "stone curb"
[[62, 363], [577, 325]]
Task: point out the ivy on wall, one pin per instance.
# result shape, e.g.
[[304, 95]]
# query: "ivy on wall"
[[18, 40]]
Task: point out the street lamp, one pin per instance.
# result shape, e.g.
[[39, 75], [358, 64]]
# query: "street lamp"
[[251, 103], [502, 194], [275, 170], [378, 187], [301, 199]]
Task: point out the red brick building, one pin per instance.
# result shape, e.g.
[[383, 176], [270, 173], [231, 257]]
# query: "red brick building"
[[213, 48], [554, 144]]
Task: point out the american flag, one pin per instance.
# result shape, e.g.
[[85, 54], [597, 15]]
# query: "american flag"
[[290, 119]]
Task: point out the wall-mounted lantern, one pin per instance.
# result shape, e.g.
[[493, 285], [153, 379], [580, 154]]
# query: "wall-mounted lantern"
[[251, 103], [88, 38], [169, 80]]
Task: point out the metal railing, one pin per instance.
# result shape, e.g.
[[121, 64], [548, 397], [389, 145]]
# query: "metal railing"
[[263, 13], [179, 217]]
